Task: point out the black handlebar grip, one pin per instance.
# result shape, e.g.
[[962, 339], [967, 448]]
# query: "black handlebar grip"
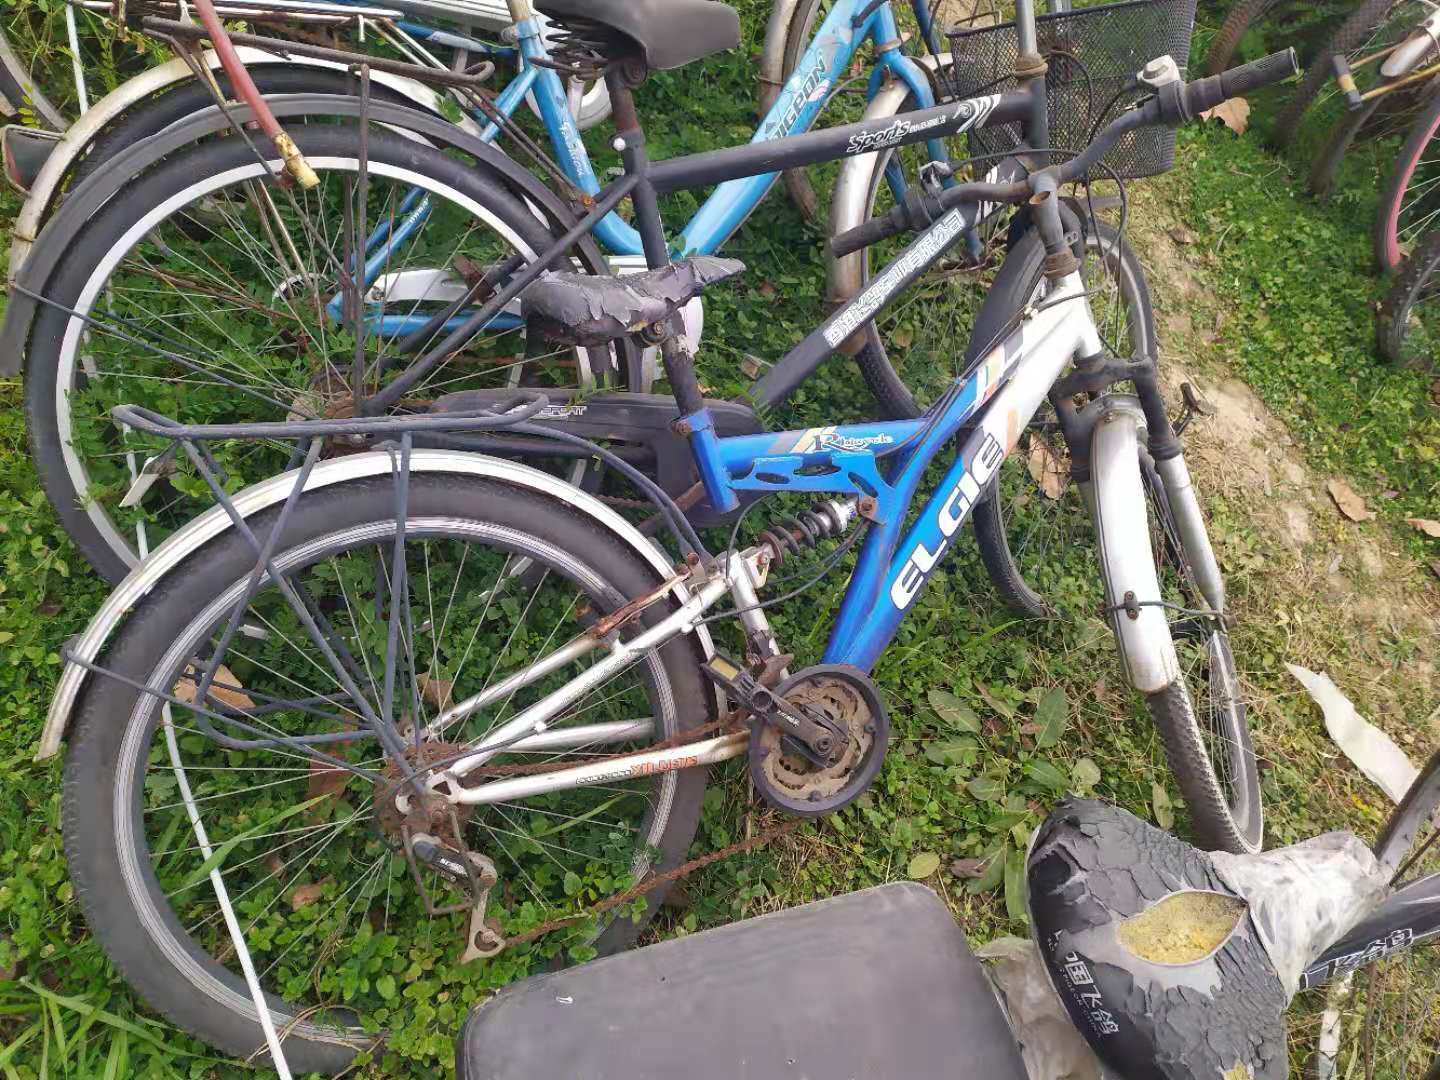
[[1204, 94], [862, 236], [1277, 67]]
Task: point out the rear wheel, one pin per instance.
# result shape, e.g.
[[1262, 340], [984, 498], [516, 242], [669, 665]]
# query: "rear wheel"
[[209, 293], [311, 855]]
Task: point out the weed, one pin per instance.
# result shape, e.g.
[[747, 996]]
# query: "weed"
[[992, 719]]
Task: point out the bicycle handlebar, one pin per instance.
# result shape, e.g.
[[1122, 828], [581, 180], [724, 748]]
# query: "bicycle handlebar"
[[1173, 104]]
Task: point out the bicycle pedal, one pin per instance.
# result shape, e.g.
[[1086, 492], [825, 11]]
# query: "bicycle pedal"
[[1195, 404]]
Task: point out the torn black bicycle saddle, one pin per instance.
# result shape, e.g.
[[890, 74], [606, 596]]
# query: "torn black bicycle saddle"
[[1156, 958], [589, 309]]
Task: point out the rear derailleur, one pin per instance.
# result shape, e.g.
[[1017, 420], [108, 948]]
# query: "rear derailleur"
[[432, 835]]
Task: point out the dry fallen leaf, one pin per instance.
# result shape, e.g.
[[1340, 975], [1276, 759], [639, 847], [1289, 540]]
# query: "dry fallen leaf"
[[435, 692], [1182, 235], [1350, 504], [325, 779], [1047, 470], [1425, 525], [223, 689], [1234, 114], [306, 895]]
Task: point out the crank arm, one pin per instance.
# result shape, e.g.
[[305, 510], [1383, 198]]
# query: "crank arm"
[[812, 737]]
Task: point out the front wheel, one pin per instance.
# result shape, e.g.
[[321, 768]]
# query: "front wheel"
[[1033, 515], [1410, 204], [311, 854], [1408, 323], [1175, 648]]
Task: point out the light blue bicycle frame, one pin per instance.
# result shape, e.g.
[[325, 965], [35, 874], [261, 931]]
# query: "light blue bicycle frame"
[[824, 65], [820, 70]]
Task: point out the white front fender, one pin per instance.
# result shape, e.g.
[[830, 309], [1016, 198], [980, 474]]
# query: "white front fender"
[[36, 210], [268, 493]]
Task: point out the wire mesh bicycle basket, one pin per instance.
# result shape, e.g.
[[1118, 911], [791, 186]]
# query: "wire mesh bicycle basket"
[[1092, 55]]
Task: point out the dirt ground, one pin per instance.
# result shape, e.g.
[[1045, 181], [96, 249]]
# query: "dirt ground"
[[1331, 582]]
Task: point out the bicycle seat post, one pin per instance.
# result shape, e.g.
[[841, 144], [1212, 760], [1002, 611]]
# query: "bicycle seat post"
[[694, 421]]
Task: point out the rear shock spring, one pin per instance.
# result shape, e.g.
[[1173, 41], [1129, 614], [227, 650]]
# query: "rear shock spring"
[[824, 520], [581, 48]]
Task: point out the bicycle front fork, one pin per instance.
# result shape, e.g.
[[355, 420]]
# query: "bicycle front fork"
[[1119, 499]]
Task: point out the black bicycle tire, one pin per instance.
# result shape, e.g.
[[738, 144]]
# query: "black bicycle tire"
[[1227, 38], [1422, 132], [102, 231], [1392, 320], [1013, 288], [1172, 710], [1326, 167], [93, 759], [1353, 32]]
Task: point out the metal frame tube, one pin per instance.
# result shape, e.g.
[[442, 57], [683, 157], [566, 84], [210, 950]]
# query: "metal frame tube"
[[566, 654], [630, 767], [536, 719]]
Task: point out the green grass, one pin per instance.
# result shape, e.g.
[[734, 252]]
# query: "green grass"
[[992, 719]]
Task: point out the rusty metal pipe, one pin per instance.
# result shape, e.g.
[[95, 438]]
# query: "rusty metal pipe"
[[249, 93]]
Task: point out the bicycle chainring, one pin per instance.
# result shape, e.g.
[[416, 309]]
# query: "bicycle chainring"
[[791, 781]]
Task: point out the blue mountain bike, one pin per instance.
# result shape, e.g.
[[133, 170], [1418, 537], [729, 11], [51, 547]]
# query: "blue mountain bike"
[[388, 677]]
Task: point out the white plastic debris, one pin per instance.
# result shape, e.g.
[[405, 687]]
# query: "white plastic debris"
[[1302, 898], [1373, 752], [1051, 1046]]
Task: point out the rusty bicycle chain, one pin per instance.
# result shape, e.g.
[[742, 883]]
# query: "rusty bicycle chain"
[[725, 725], [650, 884]]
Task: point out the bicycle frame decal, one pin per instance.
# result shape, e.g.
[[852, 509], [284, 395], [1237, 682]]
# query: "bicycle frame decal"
[[1407, 917], [913, 574], [916, 258], [901, 130]]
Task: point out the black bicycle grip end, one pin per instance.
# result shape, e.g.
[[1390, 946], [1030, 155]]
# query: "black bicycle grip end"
[[862, 236]]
